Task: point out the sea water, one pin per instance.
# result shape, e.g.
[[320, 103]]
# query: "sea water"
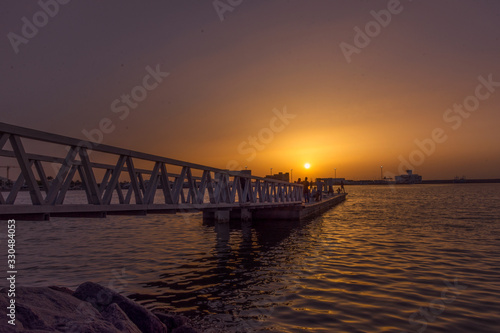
[[411, 258]]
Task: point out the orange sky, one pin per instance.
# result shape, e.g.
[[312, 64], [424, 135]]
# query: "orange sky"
[[226, 78]]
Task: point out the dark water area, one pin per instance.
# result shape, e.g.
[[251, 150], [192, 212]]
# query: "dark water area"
[[421, 258]]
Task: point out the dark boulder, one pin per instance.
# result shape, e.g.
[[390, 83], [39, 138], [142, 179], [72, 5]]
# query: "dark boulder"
[[115, 315], [48, 310], [101, 297]]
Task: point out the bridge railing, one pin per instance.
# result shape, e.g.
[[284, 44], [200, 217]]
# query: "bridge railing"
[[176, 182]]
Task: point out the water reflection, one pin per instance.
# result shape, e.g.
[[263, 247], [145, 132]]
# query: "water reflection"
[[238, 281], [367, 265]]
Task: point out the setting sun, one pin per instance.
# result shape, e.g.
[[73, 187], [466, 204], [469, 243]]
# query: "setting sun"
[[307, 165]]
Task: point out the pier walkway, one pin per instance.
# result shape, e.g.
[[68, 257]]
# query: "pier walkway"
[[121, 181]]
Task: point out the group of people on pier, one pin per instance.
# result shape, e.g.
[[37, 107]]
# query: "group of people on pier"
[[316, 192]]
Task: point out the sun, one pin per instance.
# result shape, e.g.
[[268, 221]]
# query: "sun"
[[307, 165]]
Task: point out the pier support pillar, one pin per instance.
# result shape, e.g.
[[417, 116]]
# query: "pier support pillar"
[[246, 215], [278, 213], [241, 214], [222, 216]]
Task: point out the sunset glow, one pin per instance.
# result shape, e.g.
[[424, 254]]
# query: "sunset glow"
[[298, 97], [250, 166]]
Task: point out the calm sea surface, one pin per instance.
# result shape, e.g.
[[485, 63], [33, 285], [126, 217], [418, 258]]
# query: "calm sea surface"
[[422, 258]]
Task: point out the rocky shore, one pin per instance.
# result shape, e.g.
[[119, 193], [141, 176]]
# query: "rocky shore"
[[90, 308]]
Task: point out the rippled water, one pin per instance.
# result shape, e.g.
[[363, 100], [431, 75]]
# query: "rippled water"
[[403, 259]]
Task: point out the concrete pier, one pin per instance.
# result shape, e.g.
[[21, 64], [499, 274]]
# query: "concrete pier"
[[291, 213], [221, 216], [317, 208]]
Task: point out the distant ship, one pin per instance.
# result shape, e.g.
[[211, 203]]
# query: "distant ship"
[[409, 178], [459, 180]]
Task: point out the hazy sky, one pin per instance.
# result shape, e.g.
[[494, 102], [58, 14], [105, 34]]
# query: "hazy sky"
[[352, 85]]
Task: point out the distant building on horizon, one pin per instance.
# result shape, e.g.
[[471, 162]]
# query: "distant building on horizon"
[[333, 181], [280, 176], [409, 178], [245, 172]]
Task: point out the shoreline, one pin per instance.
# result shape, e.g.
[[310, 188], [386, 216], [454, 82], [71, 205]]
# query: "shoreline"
[[90, 308]]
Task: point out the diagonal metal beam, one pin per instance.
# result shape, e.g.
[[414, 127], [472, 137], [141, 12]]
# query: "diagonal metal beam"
[[142, 184], [119, 191], [25, 165], [61, 176], [134, 184], [51, 159], [106, 199], [43, 177], [223, 187], [129, 195], [246, 191], [191, 186], [85, 184], [3, 139], [105, 180], [65, 186], [165, 184], [15, 189], [210, 188], [236, 189], [203, 186], [178, 186], [226, 189], [258, 191], [152, 185], [92, 188]]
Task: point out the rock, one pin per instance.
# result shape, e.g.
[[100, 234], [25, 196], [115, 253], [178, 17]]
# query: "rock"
[[100, 297], [185, 329], [63, 289], [115, 315], [92, 308], [167, 320], [48, 310], [175, 323], [180, 321]]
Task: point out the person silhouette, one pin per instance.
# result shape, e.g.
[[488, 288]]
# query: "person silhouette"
[[305, 183]]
